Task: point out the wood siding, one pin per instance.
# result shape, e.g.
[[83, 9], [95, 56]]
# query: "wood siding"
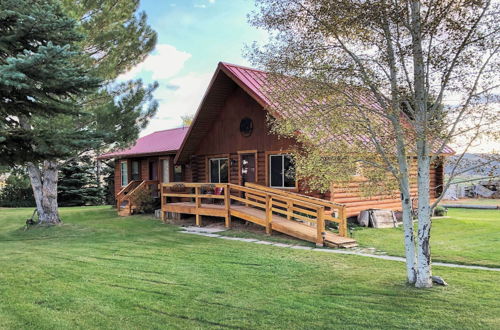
[[225, 140], [143, 168], [356, 200]]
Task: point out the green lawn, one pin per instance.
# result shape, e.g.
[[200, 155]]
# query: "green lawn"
[[101, 271], [466, 237], [472, 201]]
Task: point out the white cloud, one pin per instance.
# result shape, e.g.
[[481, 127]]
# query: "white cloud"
[[200, 6], [211, 1], [175, 102], [165, 62]]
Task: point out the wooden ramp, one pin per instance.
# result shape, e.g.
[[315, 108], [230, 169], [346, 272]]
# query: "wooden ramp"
[[276, 212]]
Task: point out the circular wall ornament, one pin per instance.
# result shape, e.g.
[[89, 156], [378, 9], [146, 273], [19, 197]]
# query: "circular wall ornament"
[[246, 127]]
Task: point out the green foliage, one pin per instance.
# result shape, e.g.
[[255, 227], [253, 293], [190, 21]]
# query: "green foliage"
[[77, 185], [41, 72], [108, 172], [144, 201], [17, 192], [440, 211], [118, 37]]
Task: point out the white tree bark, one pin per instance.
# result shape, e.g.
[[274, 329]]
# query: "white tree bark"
[[409, 237], [424, 268]]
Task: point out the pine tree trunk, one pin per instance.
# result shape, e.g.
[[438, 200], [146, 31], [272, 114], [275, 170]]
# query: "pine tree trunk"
[[49, 200], [37, 185], [424, 268], [44, 184]]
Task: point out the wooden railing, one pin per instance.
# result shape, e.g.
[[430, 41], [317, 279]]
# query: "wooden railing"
[[196, 194], [290, 206], [120, 197], [130, 190], [334, 212]]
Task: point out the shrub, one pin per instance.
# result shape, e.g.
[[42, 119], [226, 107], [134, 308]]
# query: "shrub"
[[144, 201], [440, 211], [17, 192]]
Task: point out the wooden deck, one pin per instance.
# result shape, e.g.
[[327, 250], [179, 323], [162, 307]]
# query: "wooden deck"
[[285, 214]]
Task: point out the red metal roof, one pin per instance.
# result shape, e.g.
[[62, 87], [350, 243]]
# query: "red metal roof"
[[257, 84], [167, 141]]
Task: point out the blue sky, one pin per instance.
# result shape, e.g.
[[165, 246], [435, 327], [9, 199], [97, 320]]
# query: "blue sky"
[[193, 36]]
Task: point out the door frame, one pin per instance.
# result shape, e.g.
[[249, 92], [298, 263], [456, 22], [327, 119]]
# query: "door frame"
[[243, 153]]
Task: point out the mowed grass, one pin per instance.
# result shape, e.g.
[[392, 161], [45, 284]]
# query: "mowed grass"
[[472, 201], [467, 236], [102, 271]]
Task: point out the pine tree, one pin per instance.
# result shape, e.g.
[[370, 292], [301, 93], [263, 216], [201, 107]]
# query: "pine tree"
[[41, 71], [113, 114], [77, 184]]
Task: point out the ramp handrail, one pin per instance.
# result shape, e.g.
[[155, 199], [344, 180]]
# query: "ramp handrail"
[[334, 212], [283, 204]]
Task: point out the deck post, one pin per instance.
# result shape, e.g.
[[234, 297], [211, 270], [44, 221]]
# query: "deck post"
[[289, 206], [343, 222], [320, 226], [227, 204], [198, 205], [269, 214], [164, 202]]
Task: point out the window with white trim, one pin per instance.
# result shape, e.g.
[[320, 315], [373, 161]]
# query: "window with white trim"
[[219, 170], [281, 171], [124, 173]]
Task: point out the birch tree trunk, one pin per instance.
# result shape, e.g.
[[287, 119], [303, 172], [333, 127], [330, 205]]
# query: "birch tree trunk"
[[424, 271], [404, 186], [409, 237]]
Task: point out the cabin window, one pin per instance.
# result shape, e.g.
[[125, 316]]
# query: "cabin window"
[[124, 173], [178, 173], [165, 170], [281, 171], [135, 170], [219, 170]]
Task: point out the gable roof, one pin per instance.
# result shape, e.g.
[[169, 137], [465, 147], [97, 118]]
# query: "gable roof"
[[226, 79], [260, 87], [161, 142]]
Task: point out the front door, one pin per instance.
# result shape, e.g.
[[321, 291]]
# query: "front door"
[[153, 170], [247, 168]]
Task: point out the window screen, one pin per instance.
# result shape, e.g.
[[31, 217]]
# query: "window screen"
[[178, 173], [219, 170], [135, 170], [124, 173], [281, 171]]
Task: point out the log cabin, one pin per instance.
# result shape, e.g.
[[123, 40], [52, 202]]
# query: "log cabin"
[[229, 146], [147, 164]]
